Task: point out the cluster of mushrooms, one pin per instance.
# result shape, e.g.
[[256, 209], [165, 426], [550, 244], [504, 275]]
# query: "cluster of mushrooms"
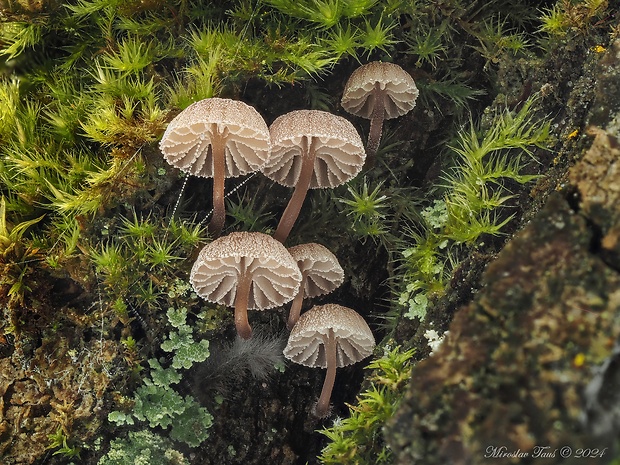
[[304, 149]]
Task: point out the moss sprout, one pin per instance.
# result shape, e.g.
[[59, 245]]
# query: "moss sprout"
[[142, 246], [15, 255], [367, 210], [248, 215], [475, 203], [571, 17], [358, 438], [58, 441]]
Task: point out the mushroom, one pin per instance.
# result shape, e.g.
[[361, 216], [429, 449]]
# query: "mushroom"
[[311, 149], [320, 274], [247, 270], [217, 138], [379, 91], [329, 336]]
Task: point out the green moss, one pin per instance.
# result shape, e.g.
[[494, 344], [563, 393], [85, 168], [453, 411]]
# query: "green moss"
[[366, 209], [570, 17], [15, 255], [358, 439], [324, 13], [140, 256], [58, 441], [476, 202], [248, 215], [486, 161]]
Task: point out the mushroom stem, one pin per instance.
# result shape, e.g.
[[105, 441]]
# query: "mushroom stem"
[[322, 406], [242, 298], [291, 212], [295, 311], [376, 126], [218, 148]]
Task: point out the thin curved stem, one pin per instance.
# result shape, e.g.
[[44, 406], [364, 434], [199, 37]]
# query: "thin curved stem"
[[293, 314], [291, 212], [322, 406], [241, 302], [218, 148], [376, 126]]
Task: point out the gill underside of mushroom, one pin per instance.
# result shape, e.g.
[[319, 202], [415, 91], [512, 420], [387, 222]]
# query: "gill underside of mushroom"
[[376, 126], [322, 406], [299, 194], [218, 148], [242, 298], [295, 311]]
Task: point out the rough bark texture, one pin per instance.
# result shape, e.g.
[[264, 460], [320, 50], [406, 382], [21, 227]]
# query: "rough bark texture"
[[530, 362]]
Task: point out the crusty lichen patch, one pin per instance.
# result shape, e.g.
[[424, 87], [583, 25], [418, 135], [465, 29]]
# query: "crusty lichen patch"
[[58, 385], [597, 178], [597, 175]]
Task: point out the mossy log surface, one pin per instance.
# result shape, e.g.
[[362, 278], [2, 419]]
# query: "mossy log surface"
[[531, 358], [532, 361]]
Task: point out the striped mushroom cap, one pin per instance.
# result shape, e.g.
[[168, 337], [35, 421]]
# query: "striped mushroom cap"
[[186, 142], [323, 272], [339, 149], [358, 97], [354, 340], [275, 275]]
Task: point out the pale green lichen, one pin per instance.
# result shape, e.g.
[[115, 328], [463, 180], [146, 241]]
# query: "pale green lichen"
[[142, 448], [157, 403]]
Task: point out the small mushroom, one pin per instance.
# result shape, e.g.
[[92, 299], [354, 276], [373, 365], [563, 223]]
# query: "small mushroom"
[[217, 138], [311, 149], [247, 270], [379, 91], [329, 336], [320, 274]]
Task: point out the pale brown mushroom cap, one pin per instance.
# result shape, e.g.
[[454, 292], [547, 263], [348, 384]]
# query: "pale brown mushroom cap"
[[306, 343], [323, 272], [185, 144], [340, 152], [275, 275], [398, 85]]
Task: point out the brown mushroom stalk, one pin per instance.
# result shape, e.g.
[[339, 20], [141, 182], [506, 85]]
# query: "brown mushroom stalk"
[[376, 126], [311, 149], [217, 138], [322, 406], [291, 212], [218, 148], [329, 336], [295, 310], [242, 298]]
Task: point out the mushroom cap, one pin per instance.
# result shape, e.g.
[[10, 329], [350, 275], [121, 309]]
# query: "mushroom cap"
[[275, 275], [323, 272], [185, 144], [398, 85], [340, 152], [306, 343]]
